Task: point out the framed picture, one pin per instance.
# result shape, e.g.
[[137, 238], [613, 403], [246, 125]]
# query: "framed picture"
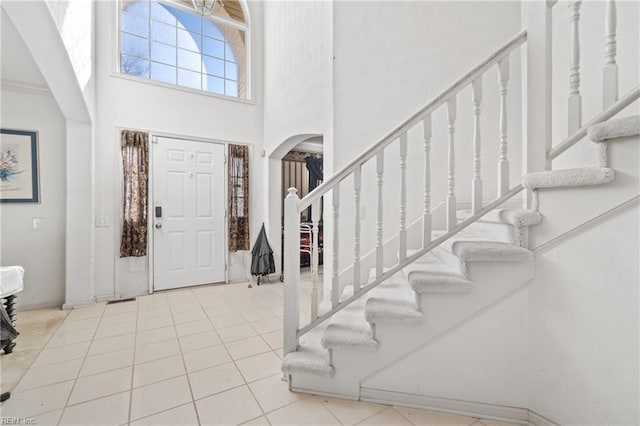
[[18, 166]]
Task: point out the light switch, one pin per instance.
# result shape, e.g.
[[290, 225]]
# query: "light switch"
[[37, 223]]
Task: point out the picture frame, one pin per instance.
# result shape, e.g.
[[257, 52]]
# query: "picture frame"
[[19, 166]]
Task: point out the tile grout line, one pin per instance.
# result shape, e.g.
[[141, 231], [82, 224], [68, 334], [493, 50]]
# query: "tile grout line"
[[243, 379], [75, 381], [184, 364], [133, 367]]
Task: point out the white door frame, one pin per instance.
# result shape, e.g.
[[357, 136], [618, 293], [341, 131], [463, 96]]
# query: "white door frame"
[[150, 212]]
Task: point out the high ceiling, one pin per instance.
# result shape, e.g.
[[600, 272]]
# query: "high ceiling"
[[230, 8]]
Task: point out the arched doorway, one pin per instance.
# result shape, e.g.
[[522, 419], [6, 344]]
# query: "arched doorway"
[[310, 143]]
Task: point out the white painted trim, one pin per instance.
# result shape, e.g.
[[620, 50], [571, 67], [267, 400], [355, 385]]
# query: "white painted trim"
[[309, 146], [24, 87], [151, 212], [150, 216], [117, 226], [22, 308], [182, 88], [590, 224], [322, 393], [453, 406], [538, 420], [68, 306]]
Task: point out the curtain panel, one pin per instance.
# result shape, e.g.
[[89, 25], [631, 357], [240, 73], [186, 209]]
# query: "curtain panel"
[[238, 175], [134, 146]]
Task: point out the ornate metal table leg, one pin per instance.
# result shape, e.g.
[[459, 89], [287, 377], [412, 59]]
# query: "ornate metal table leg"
[[10, 307]]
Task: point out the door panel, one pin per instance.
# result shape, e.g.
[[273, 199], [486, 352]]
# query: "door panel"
[[189, 184]]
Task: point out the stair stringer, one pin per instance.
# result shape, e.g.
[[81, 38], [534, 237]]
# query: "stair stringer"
[[442, 314]]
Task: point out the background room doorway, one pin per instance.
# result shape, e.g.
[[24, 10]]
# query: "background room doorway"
[[188, 213]]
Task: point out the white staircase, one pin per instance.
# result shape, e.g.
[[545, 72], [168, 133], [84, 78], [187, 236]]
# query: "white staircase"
[[482, 256]]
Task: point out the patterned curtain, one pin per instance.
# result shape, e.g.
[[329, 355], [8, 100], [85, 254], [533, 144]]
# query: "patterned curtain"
[[135, 165], [238, 197]]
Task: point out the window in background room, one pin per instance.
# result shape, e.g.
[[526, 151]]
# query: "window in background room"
[[172, 43]]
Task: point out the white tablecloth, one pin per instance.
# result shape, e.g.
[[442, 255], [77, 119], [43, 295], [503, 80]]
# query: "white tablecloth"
[[11, 280]]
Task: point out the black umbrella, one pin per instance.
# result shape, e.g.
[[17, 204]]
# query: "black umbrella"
[[262, 262]]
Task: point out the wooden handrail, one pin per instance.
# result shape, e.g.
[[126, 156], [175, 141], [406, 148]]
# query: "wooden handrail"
[[461, 83], [433, 244]]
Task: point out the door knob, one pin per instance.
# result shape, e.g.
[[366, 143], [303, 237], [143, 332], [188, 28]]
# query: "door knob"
[[158, 225]]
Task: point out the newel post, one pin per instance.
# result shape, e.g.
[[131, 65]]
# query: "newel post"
[[536, 106], [291, 271]]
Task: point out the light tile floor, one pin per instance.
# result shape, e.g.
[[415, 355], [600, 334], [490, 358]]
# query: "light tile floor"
[[205, 355]]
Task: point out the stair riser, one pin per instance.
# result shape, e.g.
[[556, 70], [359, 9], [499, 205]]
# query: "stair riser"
[[498, 232], [453, 261]]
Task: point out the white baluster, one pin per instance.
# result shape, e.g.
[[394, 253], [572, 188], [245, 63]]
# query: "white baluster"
[[426, 214], [315, 220], [575, 100], [451, 181], [476, 185], [291, 271], [357, 185], [379, 248], [402, 236], [610, 71], [503, 165], [335, 277]]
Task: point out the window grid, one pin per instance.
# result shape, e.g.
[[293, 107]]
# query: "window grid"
[[227, 77]]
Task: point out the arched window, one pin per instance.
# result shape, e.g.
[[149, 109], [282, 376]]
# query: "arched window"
[[172, 43]]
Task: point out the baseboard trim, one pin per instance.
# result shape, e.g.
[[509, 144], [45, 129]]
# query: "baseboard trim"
[[320, 393], [75, 305], [35, 306], [446, 405]]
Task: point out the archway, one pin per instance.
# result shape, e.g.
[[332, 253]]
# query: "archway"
[[274, 198]]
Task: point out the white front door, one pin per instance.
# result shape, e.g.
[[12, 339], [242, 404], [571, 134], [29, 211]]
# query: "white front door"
[[188, 213]]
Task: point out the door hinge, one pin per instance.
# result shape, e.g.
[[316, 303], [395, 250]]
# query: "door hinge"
[[154, 139], [225, 214], [225, 266], [225, 158]]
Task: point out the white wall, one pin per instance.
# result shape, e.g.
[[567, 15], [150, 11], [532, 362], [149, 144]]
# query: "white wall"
[[482, 361], [393, 58], [297, 84], [75, 22], [584, 359], [584, 327], [131, 104], [41, 252]]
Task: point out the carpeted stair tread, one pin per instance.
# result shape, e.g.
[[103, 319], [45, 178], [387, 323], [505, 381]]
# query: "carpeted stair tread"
[[582, 176], [514, 217], [349, 330], [490, 251], [612, 129], [309, 360], [392, 301], [311, 357], [423, 280]]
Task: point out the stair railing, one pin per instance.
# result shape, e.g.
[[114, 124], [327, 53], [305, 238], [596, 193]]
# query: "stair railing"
[[538, 153], [331, 190]]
